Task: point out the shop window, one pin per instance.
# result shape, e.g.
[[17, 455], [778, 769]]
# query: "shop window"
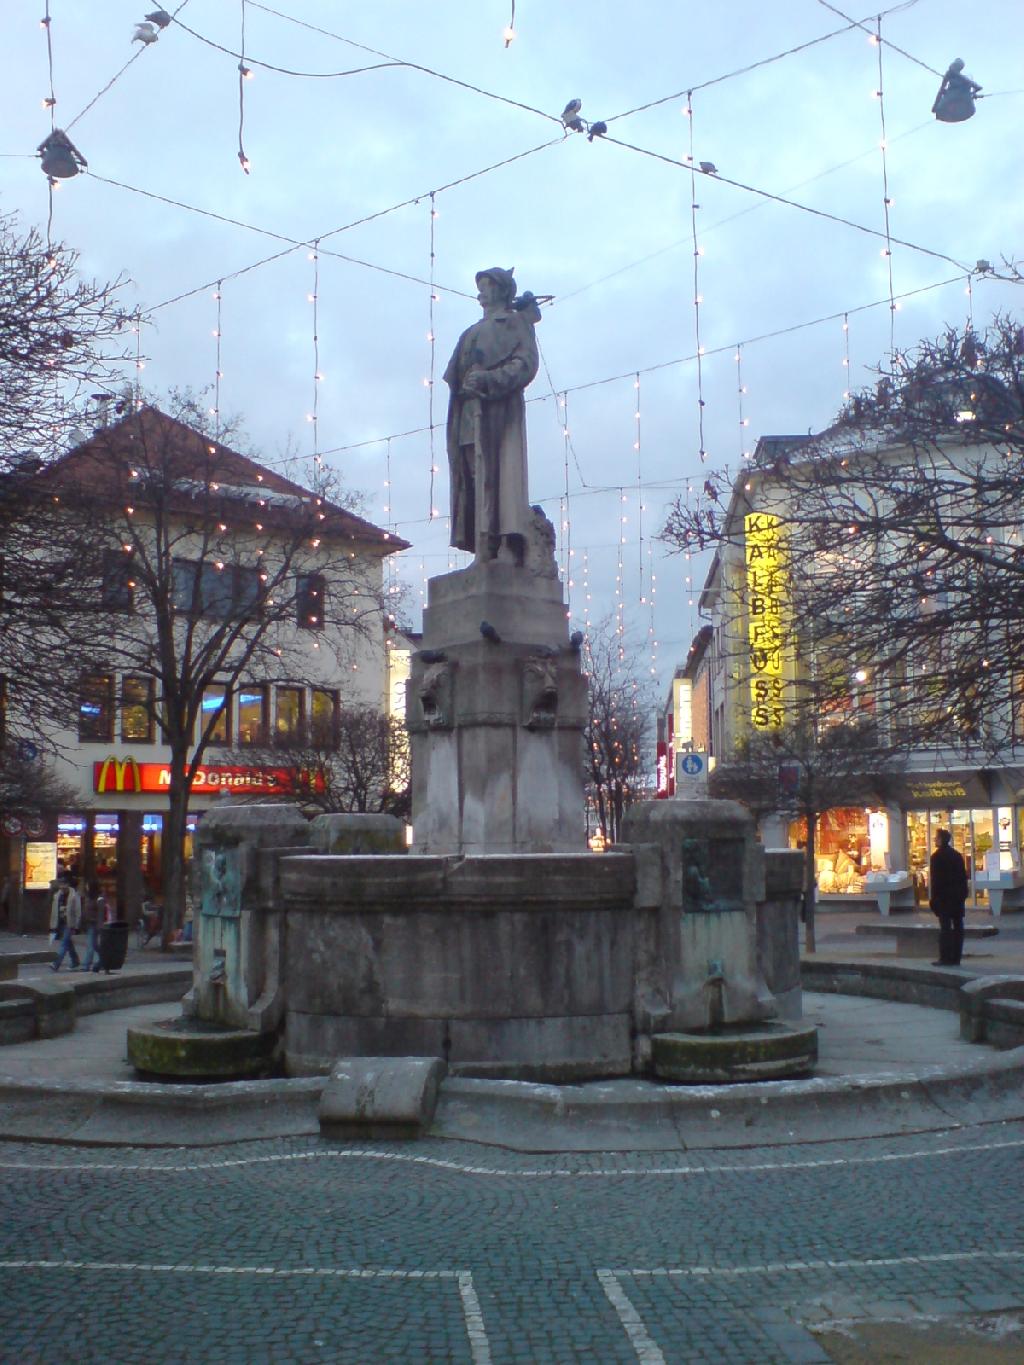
[[137, 711], [850, 842], [252, 715], [216, 590], [324, 717], [117, 583], [95, 707], [290, 715], [310, 597], [216, 703]]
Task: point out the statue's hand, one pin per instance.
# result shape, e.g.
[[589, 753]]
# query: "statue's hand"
[[473, 383]]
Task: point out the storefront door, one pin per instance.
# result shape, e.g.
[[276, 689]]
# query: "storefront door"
[[973, 833]]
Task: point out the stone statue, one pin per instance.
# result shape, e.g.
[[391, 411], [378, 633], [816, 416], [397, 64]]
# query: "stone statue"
[[493, 362]]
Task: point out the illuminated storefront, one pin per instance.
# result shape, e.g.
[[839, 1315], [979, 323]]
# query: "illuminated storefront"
[[850, 842]]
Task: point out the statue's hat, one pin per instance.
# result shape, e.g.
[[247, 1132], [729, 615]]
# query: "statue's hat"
[[502, 277]]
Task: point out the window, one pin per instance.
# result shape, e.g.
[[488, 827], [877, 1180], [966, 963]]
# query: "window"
[[290, 714], [324, 727], [216, 590], [310, 597], [216, 702], [117, 583], [96, 707], [137, 709], [252, 715]]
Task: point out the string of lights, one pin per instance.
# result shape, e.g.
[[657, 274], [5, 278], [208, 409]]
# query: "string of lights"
[[886, 200], [697, 296], [667, 364], [217, 374], [431, 377], [244, 72], [295, 244], [314, 417]]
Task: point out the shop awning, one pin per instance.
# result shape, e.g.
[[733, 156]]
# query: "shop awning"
[[953, 788]]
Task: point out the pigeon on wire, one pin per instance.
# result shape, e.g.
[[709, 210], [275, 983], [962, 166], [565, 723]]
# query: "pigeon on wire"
[[160, 17], [709, 168], [597, 129], [145, 33], [571, 116]]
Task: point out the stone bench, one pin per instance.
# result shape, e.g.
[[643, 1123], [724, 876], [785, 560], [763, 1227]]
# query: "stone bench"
[[992, 1011], [10, 962], [920, 940]]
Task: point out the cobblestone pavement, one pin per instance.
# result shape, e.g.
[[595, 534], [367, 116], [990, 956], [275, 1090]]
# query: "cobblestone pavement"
[[301, 1250]]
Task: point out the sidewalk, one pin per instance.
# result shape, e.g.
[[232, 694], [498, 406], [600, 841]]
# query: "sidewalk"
[[884, 1068], [837, 937], [150, 958]]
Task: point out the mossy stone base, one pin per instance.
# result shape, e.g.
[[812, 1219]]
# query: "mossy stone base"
[[189, 1050], [759, 1052]]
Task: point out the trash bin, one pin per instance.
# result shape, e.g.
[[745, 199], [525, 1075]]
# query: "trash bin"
[[113, 945]]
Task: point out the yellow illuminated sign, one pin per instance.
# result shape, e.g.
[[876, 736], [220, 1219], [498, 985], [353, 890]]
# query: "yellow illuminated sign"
[[767, 592]]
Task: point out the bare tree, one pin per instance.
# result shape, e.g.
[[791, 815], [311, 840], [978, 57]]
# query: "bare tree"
[[618, 739], [361, 765], [904, 543], [61, 338], [196, 568], [808, 769]]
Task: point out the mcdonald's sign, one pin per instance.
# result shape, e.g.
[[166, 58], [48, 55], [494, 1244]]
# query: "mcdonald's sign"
[[115, 774]]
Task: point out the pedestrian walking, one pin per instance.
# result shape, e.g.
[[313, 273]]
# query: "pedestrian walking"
[[95, 913], [65, 921], [948, 898]]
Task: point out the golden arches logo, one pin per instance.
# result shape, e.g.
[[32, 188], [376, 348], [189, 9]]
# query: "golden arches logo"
[[118, 775]]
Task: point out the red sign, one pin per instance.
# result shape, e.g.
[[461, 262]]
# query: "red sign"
[[114, 774]]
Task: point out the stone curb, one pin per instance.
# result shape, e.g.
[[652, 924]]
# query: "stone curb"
[[618, 1115]]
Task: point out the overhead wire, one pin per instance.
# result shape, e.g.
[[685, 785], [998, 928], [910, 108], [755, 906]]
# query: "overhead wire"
[[296, 244], [863, 24], [782, 199], [412, 66], [118, 74], [740, 213], [756, 65]]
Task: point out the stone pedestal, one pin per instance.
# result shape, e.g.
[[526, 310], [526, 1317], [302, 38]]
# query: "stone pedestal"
[[237, 979], [496, 711], [704, 869]]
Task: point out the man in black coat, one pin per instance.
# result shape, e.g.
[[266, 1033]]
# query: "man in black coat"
[[948, 895]]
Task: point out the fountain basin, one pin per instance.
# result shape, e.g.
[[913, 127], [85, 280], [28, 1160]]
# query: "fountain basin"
[[189, 1049], [769, 1051]]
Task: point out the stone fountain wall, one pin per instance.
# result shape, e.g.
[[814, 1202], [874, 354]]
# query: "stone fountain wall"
[[552, 966]]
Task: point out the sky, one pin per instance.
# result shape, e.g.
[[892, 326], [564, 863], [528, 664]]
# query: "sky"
[[355, 165]]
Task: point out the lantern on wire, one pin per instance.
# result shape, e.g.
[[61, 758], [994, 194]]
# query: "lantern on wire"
[[955, 101], [61, 159]]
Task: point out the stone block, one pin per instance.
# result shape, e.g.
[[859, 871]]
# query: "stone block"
[[380, 1097], [353, 833]]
